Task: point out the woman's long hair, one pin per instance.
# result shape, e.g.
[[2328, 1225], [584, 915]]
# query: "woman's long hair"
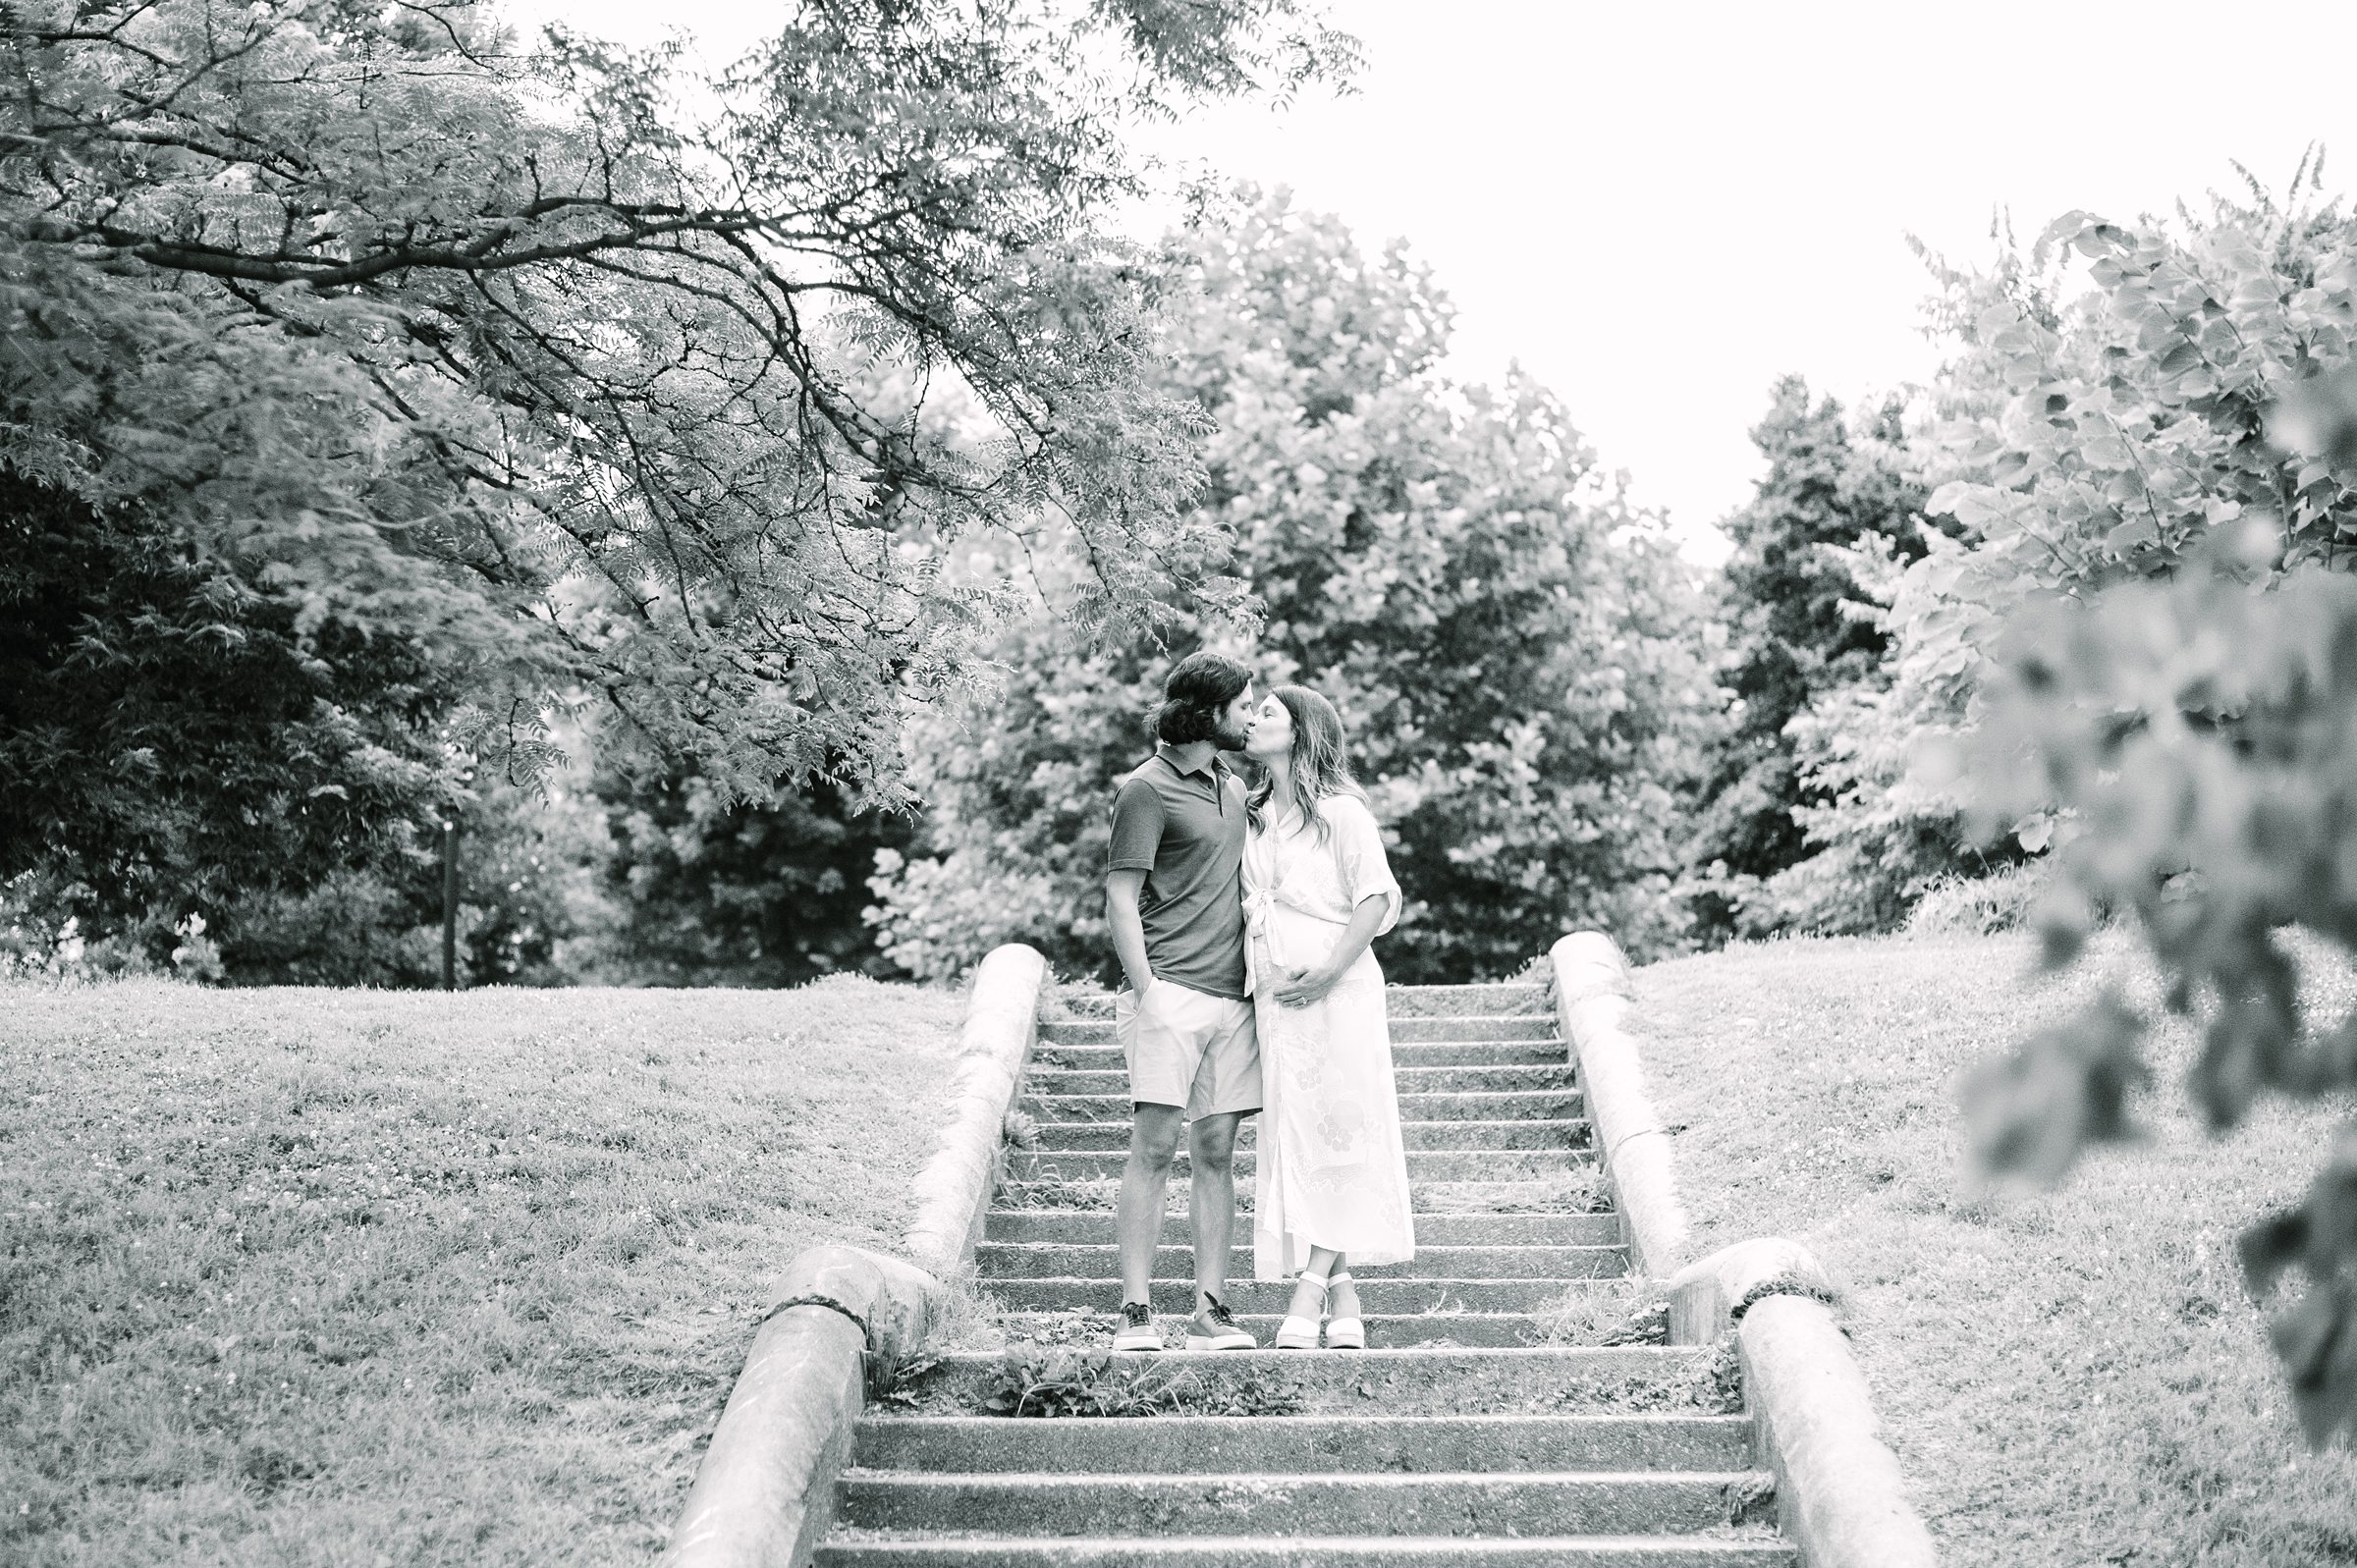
[[1321, 761]]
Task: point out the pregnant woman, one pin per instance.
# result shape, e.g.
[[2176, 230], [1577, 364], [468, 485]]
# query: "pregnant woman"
[[1332, 1185]]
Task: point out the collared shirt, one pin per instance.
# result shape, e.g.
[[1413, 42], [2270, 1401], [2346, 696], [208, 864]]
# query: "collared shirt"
[[1185, 828]]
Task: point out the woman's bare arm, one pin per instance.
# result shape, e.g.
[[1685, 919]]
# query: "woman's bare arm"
[[1311, 984]]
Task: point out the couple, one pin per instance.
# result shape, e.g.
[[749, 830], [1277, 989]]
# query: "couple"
[[1242, 919]]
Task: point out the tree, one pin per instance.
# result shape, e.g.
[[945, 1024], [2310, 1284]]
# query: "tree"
[[1515, 649], [172, 745], [171, 737], [530, 907], [2154, 607], [504, 351], [480, 381], [1791, 602], [710, 891]]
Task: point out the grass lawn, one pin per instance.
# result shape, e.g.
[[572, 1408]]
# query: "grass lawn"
[[2075, 1378], [355, 1278]]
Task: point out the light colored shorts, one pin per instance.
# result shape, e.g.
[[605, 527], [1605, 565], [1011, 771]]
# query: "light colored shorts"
[[1189, 1049]]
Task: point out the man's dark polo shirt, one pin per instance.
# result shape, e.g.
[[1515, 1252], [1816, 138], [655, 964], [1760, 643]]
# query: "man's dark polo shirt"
[[1185, 830]]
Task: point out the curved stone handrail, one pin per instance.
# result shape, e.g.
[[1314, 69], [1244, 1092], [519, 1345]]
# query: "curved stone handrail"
[[1840, 1496], [952, 1190], [1591, 995], [765, 1492]]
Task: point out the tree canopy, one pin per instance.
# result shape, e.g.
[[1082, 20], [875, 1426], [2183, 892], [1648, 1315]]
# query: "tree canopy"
[[1792, 607], [169, 736], [589, 378], [1515, 649]]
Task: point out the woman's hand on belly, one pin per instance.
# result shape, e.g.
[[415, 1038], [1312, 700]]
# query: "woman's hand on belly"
[[1304, 988]]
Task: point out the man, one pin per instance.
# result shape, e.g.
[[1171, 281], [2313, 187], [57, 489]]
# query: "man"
[[1175, 900]]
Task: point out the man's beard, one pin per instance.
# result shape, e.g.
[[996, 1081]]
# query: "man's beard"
[[1228, 740]]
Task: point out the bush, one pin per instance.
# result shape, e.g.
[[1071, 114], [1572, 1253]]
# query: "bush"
[[1980, 906]]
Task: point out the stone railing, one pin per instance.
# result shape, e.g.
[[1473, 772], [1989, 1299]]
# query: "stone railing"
[[765, 1492], [1839, 1494]]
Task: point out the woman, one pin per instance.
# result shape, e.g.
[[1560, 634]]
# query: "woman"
[[1332, 1185]]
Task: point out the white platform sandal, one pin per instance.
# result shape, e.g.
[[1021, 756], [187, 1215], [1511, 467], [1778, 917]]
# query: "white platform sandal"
[[1302, 1334], [1343, 1333]]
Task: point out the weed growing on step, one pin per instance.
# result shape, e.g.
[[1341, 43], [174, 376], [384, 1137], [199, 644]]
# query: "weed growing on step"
[[1646, 1324], [1575, 1192], [1062, 999], [1062, 1056], [965, 1319], [1712, 1385], [1066, 1383], [1605, 1312], [893, 1381], [1750, 1500], [1080, 1326], [1092, 1196]]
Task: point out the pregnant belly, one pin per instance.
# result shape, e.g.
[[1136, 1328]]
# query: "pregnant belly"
[[1291, 940]]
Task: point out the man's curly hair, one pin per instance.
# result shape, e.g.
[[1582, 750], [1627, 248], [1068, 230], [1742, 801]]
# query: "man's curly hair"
[[1199, 686]]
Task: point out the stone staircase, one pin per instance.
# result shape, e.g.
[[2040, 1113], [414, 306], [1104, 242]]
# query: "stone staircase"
[[1485, 1424]]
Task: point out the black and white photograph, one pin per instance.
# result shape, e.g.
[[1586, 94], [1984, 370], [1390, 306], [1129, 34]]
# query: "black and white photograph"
[[1178, 783]]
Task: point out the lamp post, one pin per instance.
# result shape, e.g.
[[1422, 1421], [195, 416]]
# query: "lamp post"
[[450, 905]]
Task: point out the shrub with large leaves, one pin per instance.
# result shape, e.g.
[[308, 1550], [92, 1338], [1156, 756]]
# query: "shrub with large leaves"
[[2163, 489]]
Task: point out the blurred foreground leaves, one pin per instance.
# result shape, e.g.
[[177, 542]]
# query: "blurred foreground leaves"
[[2172, 697]]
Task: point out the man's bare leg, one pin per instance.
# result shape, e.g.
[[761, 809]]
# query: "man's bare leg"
[[1212, 1214], [1145, 1176]]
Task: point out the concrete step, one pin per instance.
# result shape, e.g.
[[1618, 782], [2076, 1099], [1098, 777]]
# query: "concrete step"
[[1578, 1189], [1207, 1446], [1559, 1077], [1549, 1380], [997, 1260], [1094, 1227], [1480, 1054], [1464, 1134], [1755, 1548], [1490, 999], [1434, 1293], [1458, 1503], [1556, 1105], [1403, 1031], [1440, 1054], [1443, 1165], [1093, 1331], [1403, 1002]]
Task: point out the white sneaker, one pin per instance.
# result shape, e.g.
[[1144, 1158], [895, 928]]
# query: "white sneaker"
[[1224, 1333], [1137, 1330]]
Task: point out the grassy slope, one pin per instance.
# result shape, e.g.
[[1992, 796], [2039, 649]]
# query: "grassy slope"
[[2068, 1378], [348, 1277]]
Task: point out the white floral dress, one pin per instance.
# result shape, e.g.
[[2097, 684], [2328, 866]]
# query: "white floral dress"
[[1332, 1171]]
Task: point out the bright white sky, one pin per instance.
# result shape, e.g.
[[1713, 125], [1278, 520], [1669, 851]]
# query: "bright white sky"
[[1658, 209]]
